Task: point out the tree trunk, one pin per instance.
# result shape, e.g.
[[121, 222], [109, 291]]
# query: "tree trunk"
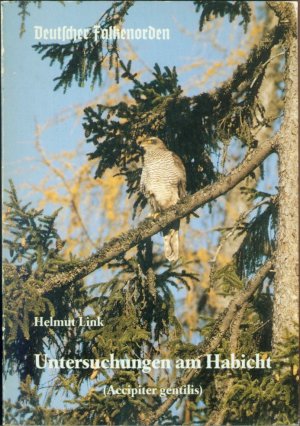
[[286, 281]]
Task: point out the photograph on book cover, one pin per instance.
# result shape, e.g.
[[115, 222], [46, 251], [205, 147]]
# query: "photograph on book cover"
[[150, 212]]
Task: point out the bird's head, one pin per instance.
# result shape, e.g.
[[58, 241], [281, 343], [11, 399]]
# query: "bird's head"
[[152, 143]]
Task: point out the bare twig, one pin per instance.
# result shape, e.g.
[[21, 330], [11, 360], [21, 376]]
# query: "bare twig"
[[60, 174]]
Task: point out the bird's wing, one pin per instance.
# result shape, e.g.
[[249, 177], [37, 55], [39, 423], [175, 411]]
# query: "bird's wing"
[[143, 181], [181, 175]]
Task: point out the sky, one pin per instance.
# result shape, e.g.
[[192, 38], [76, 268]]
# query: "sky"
[[27, 90]]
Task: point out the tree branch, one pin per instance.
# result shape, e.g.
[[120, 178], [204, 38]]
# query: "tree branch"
[[243, 75], [148, 227], [286, 13], [221, 327]]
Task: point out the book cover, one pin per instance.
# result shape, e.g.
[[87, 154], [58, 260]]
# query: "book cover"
[[150, 213]]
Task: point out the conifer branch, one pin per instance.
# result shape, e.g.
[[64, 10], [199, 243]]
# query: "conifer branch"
[[149, 227], [218, 415], [239, 222], [242, 77], [222, 325]]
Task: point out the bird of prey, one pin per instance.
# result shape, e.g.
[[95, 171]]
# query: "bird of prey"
[[163, 182]]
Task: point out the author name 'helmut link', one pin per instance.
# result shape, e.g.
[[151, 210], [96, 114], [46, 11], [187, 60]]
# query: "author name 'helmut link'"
[[69, 322]]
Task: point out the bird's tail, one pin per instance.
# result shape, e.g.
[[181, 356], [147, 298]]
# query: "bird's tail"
[[171, 241]]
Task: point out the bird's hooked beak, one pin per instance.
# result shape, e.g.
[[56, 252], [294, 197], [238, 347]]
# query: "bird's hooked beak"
[[145, 144], [151, 142], [141, 141]]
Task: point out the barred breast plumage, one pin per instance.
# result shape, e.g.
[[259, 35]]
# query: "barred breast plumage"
[[163, 182]]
